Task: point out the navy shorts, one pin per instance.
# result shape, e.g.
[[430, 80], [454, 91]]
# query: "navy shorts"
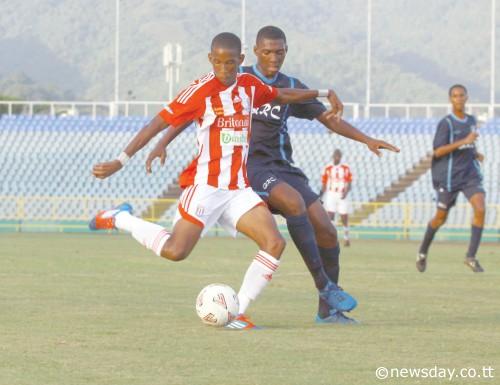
[[447, 199], [264, 178]]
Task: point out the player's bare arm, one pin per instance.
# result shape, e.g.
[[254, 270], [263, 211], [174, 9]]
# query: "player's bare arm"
[[343, 128], [106, 169], [294, 95], [448, 148], [160, 150]]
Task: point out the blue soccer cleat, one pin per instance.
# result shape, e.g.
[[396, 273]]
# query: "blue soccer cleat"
[[336, 317], [105, 220], [337, 298]]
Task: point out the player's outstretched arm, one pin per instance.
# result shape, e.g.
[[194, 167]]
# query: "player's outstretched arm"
[[345, 129], [106, 169], [296, 95], [160, 150], [447, 148]]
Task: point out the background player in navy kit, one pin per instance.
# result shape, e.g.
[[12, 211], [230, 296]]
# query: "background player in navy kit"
[[284, 186], [455, 169]]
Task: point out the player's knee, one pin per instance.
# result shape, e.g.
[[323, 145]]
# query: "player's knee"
[[438, 221], [479, 210], [327, 236], [275, 245], [174, 253]]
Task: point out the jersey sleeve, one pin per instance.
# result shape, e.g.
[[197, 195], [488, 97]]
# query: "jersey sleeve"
[[182, 109], [348, 174], [324, 176], [263, 93], [442, 136], [309, 109]]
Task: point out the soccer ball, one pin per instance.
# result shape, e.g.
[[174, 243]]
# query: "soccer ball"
[[217, 304]]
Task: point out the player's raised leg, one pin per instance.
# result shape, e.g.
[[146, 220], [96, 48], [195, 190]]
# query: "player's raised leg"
[[175, 245], [477, 202]]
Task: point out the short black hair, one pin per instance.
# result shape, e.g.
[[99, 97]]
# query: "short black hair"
[[226, 40], [270, 32], [456, 86], [337, 150]]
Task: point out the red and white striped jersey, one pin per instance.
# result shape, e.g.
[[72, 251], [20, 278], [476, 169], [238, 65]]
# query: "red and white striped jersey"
[[336, 177], [223, 117]]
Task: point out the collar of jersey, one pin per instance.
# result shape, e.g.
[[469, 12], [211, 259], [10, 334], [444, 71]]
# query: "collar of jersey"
[[464, 120], [262, 77]]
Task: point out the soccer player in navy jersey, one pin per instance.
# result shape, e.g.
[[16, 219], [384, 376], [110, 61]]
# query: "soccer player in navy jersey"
[[455, 169], [274, 177], [282, 185]]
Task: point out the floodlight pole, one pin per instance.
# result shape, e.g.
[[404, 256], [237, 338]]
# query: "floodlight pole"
[[117, 51], [368, 57], [493, 52], [243, 28]]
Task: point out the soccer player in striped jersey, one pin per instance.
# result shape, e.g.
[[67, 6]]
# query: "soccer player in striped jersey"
[[274, 177], [216, 187], [336, 181], [455, 168]]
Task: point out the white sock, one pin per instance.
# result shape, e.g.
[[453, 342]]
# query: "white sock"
[[148, 234], [346, 233], [258, 275]]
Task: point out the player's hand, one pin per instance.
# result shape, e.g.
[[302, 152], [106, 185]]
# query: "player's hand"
[[480, 157], [156, 153], [375, 145], [337, 106], [105, 169], [471, 138]]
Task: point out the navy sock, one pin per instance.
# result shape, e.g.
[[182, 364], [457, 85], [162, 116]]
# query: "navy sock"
[[330, 257], [428, 237], [302, 234], [475, 238]]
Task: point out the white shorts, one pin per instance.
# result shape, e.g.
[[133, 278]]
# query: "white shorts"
[[205, 206], [333, 203]]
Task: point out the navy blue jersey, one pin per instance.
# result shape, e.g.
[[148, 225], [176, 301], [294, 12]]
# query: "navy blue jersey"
[[270, 141], [460, 167]]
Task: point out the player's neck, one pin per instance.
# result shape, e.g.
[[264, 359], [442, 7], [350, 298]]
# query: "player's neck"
[[263, 74], [459, 113]]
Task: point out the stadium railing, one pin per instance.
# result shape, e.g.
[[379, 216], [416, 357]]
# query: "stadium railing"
[[148, 108], [16, 217]]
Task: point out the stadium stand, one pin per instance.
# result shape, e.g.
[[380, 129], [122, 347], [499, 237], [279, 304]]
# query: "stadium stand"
[[45, 156]]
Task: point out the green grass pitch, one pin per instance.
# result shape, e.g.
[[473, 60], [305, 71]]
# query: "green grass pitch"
[[100, 309]]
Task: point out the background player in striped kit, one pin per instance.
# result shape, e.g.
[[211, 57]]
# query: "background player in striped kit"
[[455, 169], [336, 181], [216, 184]]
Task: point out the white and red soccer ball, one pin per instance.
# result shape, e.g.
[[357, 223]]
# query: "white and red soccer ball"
[[217, 304]]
